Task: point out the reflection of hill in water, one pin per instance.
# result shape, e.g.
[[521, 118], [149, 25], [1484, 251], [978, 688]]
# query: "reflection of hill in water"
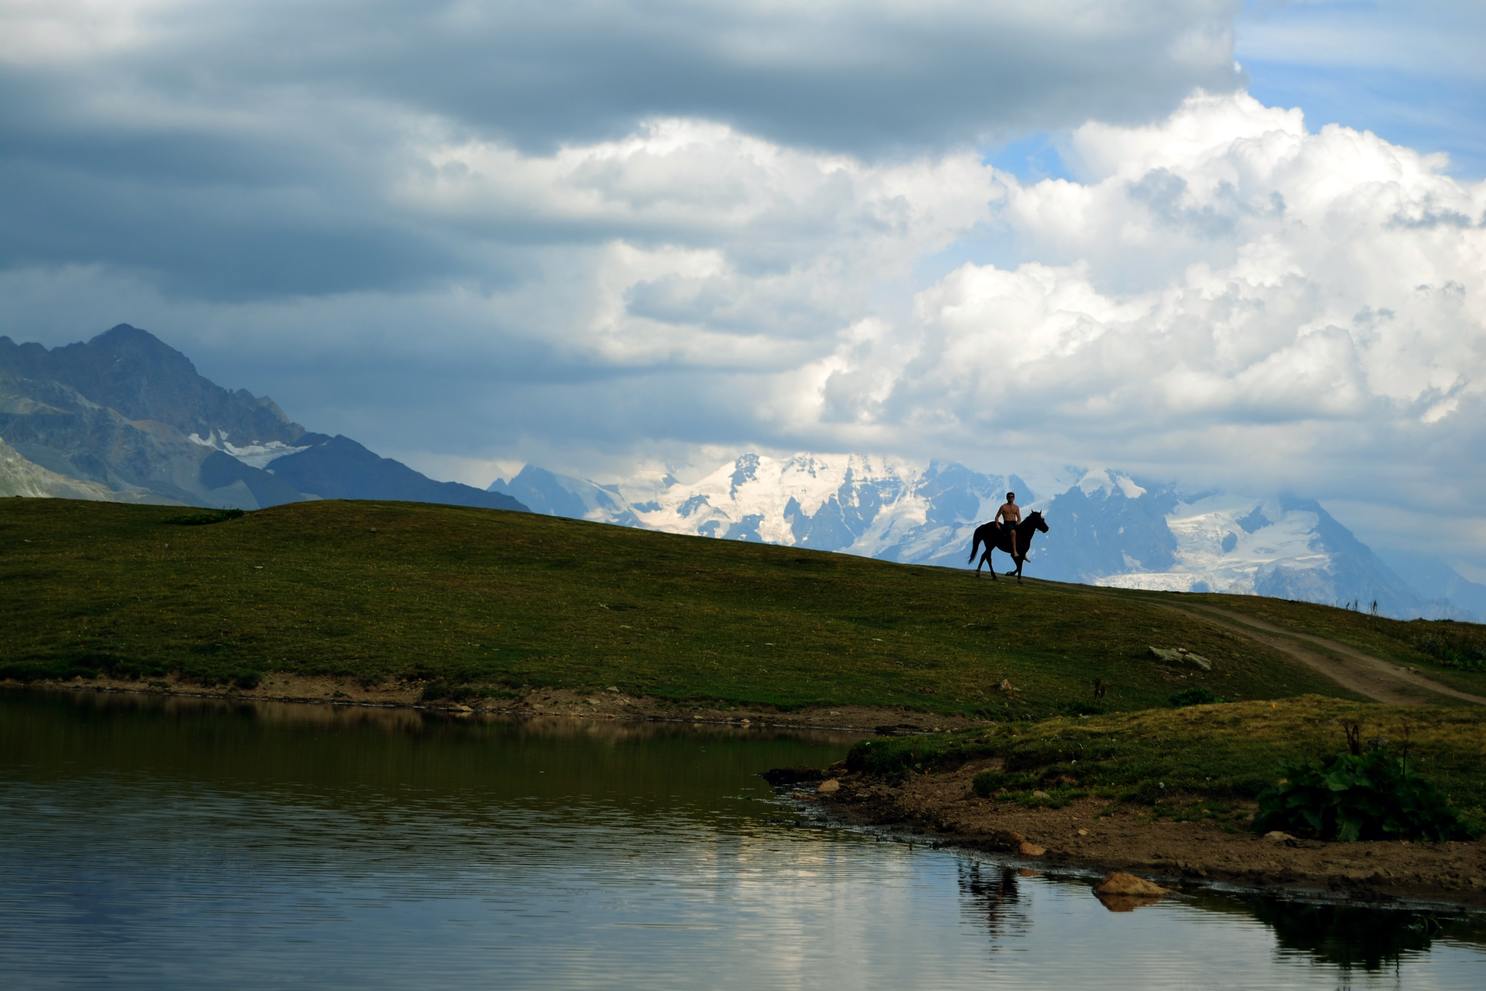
[[1350, 937], [1347, 937], [367, 767]]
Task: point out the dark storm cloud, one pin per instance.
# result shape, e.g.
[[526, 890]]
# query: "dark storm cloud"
[[859, 77], [246, 150]]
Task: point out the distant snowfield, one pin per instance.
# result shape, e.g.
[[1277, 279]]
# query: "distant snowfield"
[[1216, 552], [257, 454]]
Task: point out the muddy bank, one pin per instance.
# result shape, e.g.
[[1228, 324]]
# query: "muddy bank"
[[609, 703], [1097, 835]]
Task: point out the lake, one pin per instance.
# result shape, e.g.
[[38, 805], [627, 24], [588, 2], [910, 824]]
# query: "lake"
[[163, 843]]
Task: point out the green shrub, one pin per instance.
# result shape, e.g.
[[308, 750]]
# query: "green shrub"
[[1192, 696], [1450, 645], [206, 518], [1371, 795]]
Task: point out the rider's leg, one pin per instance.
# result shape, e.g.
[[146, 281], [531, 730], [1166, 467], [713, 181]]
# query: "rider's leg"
[[1012, 531]]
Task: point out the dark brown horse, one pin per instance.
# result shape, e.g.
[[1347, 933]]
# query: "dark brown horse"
[[997, 537]]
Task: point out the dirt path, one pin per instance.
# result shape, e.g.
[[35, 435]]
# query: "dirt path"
[[1371, 677]]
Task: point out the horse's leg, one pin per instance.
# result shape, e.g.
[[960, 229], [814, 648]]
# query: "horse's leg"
[[990, 564]]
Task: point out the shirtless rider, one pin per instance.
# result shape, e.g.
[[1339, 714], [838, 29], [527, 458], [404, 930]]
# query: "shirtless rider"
[[1009, 516]]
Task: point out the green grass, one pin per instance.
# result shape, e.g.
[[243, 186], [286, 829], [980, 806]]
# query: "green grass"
[[490, 602], [1194, 760]]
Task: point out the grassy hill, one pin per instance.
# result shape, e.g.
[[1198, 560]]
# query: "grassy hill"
[[478, 601]]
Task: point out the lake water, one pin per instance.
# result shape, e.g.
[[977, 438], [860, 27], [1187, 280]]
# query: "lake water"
[[171, 843]]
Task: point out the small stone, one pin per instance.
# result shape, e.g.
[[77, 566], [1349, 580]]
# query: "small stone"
[[1128, 885], [1083, 832], [1284, 839], [1039, 793], [829, 786], [1028, 849]]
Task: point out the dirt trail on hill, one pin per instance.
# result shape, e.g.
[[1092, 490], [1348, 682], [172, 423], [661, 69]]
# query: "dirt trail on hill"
[[1371, 677]]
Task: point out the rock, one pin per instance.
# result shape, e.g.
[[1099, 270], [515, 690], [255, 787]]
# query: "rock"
[[1128, 886], [829, 786], [1284, 839], [1039, 793], [1083, 832], [1181, 655], [1006, 687], [1028, 849]]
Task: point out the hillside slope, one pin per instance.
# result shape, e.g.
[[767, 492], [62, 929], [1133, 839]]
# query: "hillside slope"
[[497, 602]]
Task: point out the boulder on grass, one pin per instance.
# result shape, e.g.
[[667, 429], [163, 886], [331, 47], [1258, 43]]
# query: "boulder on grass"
[[1181, 655]]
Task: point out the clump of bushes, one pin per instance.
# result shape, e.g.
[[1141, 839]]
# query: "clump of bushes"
[[205, 519], [1450, 645], [1364, 794], [1192, 696]]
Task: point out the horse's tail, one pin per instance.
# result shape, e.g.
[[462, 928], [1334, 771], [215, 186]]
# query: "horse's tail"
[[974, 546]]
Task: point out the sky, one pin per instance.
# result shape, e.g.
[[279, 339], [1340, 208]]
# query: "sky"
[[1206, 241]]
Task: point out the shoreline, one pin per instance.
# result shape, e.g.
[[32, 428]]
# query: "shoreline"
[[604, 704], [1094, 837], [1085, 837]]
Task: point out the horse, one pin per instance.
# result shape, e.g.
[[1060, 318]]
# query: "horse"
[[995, 537]]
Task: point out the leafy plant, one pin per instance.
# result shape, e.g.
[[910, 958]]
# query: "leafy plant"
[[1460, 647], [207, 518], [1369, 794]]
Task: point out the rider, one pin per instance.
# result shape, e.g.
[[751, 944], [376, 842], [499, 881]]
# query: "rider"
[[1009, 516]]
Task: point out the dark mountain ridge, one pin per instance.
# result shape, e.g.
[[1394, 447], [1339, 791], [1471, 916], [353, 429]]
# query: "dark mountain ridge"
[[131, 417]]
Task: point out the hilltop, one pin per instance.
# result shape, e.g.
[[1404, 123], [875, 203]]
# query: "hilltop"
[[457, 603]]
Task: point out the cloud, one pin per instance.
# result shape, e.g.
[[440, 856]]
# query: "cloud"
[[1226, 273], [848, 76], [585, 234]]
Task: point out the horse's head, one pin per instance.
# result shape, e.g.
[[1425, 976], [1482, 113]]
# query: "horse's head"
[[1035, 518]]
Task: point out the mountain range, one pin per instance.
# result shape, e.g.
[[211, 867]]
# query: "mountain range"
[[1105, 527], [125, 417]]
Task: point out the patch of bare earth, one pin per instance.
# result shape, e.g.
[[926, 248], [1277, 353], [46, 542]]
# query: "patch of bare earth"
[[1371, 677], [1096, 834], [609, 703]]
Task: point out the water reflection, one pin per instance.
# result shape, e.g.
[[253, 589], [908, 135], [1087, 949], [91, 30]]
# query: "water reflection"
[[991, 893], [181, 843], [1355, 937]]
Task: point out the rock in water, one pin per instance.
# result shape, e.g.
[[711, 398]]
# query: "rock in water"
[[829, 786], [1129, 886]]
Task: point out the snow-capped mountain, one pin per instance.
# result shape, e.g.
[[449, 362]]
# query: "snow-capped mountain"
[[125, 417], [1217, 542], [873, 506], [1105, 527]]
